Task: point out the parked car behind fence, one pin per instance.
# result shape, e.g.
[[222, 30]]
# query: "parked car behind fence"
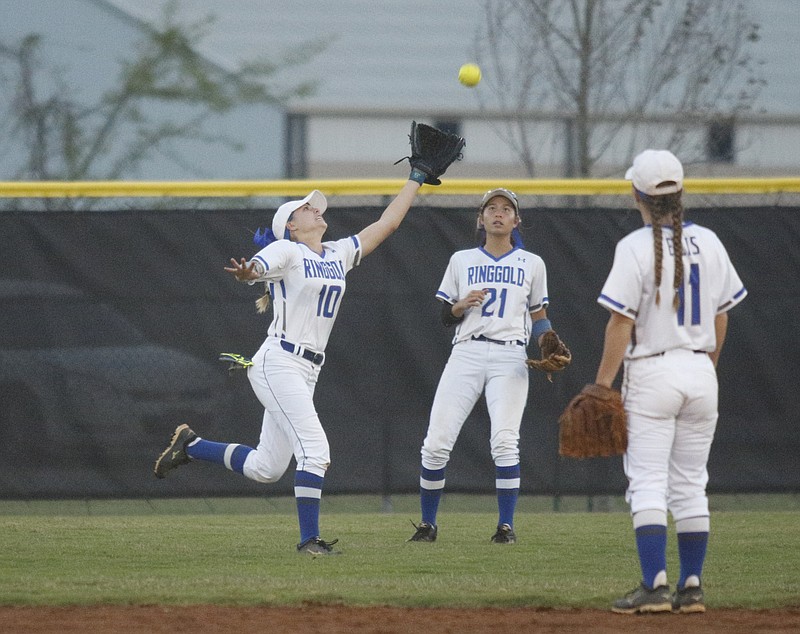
[[85, 399]]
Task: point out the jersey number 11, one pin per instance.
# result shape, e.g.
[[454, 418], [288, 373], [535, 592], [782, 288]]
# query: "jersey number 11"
[[694, 288]]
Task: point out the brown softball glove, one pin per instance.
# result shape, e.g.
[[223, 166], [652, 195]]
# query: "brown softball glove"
[[555, 355], [593, 424]]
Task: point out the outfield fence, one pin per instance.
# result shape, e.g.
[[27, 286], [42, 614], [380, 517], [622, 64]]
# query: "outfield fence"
[[112, 319]]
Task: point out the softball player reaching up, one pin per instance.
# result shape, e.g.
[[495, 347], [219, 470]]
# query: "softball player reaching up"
[[496, 296], [669, 290], [306, 280]]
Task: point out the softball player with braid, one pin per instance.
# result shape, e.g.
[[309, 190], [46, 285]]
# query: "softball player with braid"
[[306, 279], [668, 292], [496, 296]]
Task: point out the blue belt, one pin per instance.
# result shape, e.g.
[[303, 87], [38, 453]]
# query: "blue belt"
[[498, 341], [315, 357]]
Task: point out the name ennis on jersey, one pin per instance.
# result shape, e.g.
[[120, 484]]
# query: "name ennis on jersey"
[[306, 288], [711, 285], [515, 285]]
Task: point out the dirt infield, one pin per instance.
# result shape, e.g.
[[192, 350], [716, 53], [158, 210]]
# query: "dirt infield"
[[383, 620]]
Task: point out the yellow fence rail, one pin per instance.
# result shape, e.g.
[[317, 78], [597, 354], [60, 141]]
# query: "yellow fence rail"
[[373, 187]]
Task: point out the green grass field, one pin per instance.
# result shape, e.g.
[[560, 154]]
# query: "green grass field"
[[241, 552]]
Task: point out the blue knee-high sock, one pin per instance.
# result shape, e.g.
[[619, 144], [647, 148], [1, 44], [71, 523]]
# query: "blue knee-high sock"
[[307, 493], [692, 554], [231, 455], [507, 484], [651, 542], [431, 485]]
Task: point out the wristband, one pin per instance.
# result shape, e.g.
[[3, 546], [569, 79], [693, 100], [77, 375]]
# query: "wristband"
[[448, 318], [540, 326], [417, 175]]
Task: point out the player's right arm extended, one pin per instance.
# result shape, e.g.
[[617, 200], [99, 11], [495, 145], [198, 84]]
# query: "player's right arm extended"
[[245, 271]]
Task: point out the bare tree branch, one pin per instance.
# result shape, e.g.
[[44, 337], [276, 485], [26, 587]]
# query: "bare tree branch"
[[588, 59]]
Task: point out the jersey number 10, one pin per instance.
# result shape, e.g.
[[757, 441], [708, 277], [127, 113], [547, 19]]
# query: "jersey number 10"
[[328, 298]]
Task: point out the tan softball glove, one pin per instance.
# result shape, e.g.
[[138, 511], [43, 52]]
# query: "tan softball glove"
[[593, 424], [555, 355]]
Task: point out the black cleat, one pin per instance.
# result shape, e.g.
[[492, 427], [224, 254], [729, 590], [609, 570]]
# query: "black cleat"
[[644, 599], [315, 546], [175, 453], [688, 600], [425, 532], [504, 535]]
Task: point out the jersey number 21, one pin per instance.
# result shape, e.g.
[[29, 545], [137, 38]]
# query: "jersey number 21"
[[488, 310]]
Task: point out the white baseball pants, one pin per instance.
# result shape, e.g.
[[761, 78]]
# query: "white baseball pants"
[[285, 383], [671, 402], [475, 367]]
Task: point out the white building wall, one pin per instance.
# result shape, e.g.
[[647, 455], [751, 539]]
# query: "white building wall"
[[384, 63], [381, 57], [352, 147], [83, 43]]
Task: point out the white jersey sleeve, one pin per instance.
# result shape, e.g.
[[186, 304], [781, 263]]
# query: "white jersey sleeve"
[[516, 285], [306, 288], [711, 285]]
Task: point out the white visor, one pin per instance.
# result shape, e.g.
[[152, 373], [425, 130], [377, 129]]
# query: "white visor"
[[316, 199]]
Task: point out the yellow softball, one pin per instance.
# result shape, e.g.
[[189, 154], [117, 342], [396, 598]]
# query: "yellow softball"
[[469, 74]]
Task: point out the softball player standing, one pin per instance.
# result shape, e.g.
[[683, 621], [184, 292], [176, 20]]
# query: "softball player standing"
[[306, 281], [669, 290], [496, 296]]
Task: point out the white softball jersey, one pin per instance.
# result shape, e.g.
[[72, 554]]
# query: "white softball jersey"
[[711, 286], [516, 285], [306, 288]]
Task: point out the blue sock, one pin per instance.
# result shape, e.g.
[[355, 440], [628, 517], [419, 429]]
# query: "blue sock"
[[507, 484], [431, 485], [651, 542], [307, 493], [231, 455], [692, 554]]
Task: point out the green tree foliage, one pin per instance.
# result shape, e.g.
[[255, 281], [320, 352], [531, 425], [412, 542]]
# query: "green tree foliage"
[[165, 93]]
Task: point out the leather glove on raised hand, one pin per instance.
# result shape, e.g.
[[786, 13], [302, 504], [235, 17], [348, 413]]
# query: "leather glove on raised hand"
[[432, 152]]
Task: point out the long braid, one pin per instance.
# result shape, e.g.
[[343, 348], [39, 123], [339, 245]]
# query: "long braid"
[[660, 207], [677, 247], [659, 249]]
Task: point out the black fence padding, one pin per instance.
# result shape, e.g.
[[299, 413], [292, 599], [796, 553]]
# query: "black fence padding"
[[111, 323]]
